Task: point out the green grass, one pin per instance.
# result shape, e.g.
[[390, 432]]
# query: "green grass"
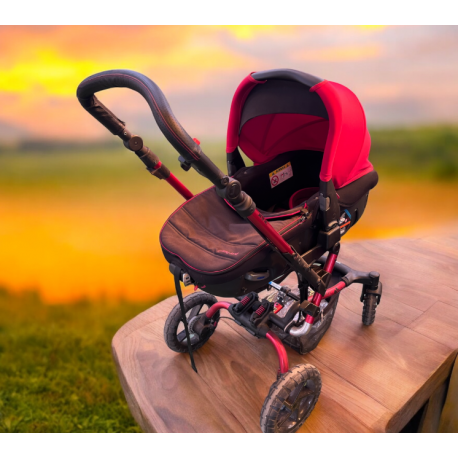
[[416, 153], [56, 369]]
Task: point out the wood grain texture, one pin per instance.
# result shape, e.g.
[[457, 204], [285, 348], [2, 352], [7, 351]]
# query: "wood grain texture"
[[374, 378]]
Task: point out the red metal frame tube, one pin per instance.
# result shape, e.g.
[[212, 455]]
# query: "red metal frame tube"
[[330, 262], [271, 336], [266, 229], [281, 352], [216, 307], [176, 184], [316, 299], [335, 289], [173, 181]]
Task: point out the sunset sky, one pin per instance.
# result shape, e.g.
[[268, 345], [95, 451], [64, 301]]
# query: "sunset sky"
[[87, 224], [403, 75]]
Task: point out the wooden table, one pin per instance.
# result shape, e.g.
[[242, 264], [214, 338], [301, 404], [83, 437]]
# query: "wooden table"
[[374, 378]]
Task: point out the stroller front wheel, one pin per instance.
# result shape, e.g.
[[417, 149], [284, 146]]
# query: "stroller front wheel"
[[291, 400], [369, 309], [195, 305]]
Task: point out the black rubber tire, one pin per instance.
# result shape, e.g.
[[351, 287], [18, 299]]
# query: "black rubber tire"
[[176, 340], [369, 309], [287, 395]]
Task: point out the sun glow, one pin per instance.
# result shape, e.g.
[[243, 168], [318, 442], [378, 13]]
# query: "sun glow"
[[247, 32], [48, 73], [373, 27]]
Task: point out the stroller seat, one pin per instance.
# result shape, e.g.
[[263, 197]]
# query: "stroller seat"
[[215, 245], [221, 250]]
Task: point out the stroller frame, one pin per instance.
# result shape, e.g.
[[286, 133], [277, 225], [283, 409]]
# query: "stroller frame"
[[372, 288], [312, 268]]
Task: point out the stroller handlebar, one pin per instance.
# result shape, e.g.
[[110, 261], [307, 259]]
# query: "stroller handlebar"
[[162, 113], [100, 112]]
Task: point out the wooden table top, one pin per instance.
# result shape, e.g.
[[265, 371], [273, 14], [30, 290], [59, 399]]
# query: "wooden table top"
[[374, 378]]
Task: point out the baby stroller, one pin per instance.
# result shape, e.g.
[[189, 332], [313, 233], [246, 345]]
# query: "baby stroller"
[[243, 236]]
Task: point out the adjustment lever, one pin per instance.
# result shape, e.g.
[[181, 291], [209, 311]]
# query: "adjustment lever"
[[284, 289]]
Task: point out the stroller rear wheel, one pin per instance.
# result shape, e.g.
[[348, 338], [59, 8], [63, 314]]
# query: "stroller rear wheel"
[[195, 306], [291, 400]]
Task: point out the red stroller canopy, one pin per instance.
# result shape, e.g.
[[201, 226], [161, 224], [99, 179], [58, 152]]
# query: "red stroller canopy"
[[278, 111]]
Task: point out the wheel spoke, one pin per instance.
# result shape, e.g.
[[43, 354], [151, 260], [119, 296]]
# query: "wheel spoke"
[[283, 418], [194, 311], [295, 407], [304, 393], [288, 406], [300, 392], [295, 398]]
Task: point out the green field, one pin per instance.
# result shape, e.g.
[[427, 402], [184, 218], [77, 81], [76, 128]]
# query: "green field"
[[91, 168], [416, 153], [56, 370]]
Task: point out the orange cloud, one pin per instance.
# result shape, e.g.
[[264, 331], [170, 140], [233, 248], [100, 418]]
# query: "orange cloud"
[[54, 60], [41, 67]]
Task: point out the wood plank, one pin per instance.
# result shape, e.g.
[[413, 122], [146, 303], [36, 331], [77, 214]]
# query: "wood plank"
[[381, 355], [401, 282], [439, 323], [144, 319], [390, 307], [418, 260], [374, 378], [168, 395], [249, 368], [448, 239]]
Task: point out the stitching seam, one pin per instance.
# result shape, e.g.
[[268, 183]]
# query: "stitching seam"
[[259, 248]]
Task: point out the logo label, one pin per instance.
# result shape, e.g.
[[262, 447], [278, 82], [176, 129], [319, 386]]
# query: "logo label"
[[280, 175], [226, 252]]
